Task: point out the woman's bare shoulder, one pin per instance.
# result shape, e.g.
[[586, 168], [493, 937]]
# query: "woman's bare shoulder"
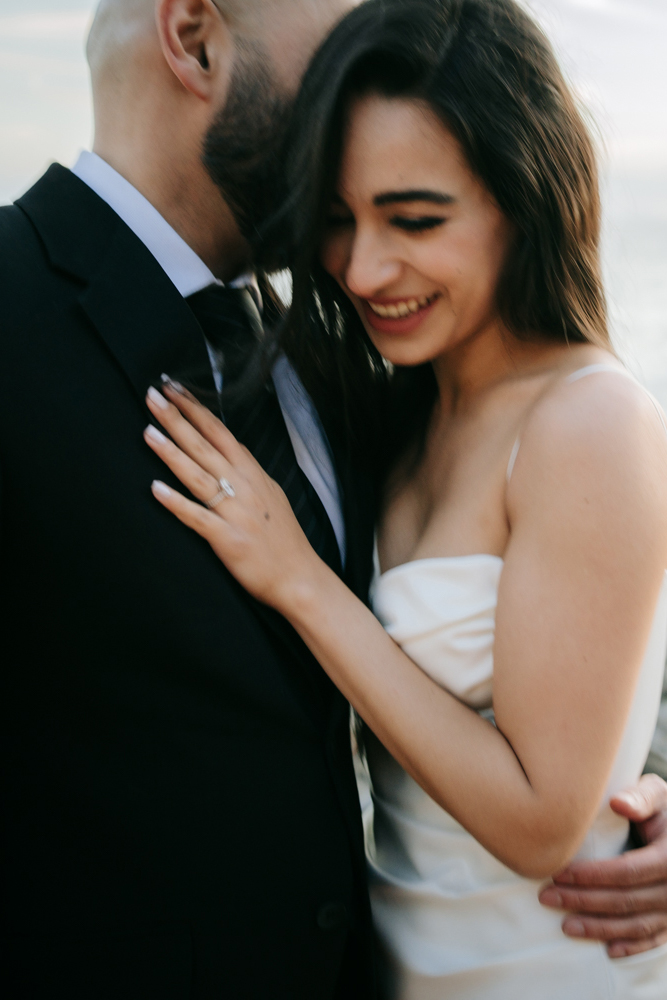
[[601, 437]]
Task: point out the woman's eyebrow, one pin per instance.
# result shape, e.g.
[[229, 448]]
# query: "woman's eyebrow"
[[394, 197]]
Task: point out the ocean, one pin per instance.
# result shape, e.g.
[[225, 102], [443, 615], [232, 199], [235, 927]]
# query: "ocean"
[[635, 259]]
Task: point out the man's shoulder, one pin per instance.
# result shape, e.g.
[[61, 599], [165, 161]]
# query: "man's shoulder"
[[16, 233], [21, 244], [39, 238], [22, 257], [10, 215], [59, 228]]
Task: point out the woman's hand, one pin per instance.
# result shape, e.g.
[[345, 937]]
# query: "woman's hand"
[[248, 521]]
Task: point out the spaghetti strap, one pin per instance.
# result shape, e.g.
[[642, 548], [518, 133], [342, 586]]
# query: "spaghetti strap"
[[515, 452], [594, 369], [574, 377]]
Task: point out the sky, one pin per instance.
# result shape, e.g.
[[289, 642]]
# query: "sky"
[[614, 51], [45, 104]]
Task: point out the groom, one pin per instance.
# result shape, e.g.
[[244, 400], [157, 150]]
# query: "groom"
[[179, 816], [178, 809]]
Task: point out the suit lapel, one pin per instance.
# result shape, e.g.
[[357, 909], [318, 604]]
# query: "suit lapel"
[[142, 318], [132, 304]]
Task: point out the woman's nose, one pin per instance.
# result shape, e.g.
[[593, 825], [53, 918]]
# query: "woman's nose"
[[371, 266]]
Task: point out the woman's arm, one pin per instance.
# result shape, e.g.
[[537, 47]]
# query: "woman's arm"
[[582, 575]]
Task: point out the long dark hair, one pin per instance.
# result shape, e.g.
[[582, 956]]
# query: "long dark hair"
[[487, 70]]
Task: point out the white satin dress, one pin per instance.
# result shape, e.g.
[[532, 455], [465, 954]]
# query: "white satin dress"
[[455, 923]]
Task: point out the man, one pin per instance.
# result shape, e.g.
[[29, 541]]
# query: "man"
[[179, 809], [179, 815]]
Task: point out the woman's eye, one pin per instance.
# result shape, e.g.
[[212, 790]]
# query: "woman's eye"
[[417, 225]]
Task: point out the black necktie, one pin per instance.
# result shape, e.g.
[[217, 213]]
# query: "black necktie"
[[232, 326]]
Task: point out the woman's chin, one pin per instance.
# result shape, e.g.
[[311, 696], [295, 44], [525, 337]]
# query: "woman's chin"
[[411, 348], [405, 354], [411, 361]]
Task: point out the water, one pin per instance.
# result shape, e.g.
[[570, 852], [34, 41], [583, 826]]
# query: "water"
[[635, 258]]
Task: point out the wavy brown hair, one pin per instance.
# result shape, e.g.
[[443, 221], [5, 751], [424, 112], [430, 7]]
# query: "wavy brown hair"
[[489, 73]]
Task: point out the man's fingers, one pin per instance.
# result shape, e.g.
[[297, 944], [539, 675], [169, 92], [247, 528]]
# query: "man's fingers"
[[643, 927], [623, 949], [607, 902], [643, 800], [645, 866]]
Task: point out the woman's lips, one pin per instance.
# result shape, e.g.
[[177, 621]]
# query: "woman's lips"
[[400, 324]]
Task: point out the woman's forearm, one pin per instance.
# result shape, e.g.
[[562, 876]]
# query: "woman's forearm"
[[463, 762]]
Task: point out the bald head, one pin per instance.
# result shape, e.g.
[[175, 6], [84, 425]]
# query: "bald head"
[[119, 26], [192, 98], [122, 27]]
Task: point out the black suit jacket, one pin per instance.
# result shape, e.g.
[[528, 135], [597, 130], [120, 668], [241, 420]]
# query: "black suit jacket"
[[178, 815]]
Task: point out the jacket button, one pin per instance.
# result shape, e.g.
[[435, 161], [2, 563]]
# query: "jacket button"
[[332, 916]]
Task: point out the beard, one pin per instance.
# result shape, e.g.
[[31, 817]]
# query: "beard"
[[245, 147]]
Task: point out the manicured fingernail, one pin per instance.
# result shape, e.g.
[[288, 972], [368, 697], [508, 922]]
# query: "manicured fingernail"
[[160, 489], [617, 951], [154, 434], [551, 897], [574, 928], [166, 380], [157, 398]]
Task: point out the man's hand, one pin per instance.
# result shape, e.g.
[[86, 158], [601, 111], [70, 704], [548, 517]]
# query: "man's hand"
[[623, 901]]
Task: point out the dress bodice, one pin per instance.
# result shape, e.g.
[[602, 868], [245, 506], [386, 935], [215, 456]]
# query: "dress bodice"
[[442, 613], [454, 920]]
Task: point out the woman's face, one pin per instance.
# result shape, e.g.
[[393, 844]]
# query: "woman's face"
[[414, 239]]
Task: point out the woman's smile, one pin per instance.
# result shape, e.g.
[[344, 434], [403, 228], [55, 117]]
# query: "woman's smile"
[[399, 315]]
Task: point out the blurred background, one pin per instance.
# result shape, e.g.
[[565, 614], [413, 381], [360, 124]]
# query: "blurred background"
[[613, 51]]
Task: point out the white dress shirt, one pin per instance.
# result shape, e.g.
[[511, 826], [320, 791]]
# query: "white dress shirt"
[[189, 274]]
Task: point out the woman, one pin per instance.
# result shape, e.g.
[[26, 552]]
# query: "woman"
[[448, 226]]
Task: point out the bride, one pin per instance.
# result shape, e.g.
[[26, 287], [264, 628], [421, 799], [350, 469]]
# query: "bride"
[[447, 301]]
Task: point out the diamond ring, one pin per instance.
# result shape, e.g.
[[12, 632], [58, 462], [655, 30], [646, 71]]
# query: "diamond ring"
[[225, 492]]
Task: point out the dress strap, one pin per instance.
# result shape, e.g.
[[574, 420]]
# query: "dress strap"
[[594, 369], [574, 377], [515, 452]]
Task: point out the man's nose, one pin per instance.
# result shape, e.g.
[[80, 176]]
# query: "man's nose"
[[371, 267]]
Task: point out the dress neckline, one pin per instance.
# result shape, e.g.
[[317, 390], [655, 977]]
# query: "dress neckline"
[[439, 559]]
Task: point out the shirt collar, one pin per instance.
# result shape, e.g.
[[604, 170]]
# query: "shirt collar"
[[183, 267]]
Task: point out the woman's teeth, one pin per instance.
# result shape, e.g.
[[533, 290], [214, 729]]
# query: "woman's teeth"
[[399, 309]]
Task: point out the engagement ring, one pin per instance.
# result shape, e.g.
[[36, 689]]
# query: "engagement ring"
[[225, 492]]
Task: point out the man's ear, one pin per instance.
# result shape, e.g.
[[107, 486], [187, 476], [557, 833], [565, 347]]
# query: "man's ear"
[[197, 45]]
